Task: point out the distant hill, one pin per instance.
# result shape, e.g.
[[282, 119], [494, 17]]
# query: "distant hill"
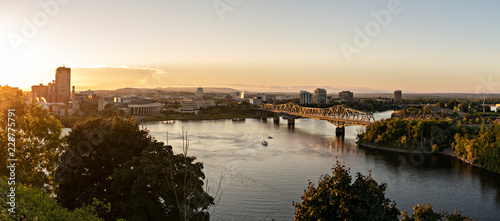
[[165, 89], [254, 93]]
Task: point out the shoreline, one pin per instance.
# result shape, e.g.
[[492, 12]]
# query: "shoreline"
[[447, 152]]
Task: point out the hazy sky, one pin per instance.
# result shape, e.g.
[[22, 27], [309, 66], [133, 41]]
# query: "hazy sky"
[[280, 45]]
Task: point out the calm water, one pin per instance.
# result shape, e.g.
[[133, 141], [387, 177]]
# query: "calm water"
[[260, 183]]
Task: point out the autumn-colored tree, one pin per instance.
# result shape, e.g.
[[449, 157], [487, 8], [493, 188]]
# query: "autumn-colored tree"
[[337, 198], [426, 213], [37, 139]]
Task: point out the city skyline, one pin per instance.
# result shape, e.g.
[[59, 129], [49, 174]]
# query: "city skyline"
[[254, 45]]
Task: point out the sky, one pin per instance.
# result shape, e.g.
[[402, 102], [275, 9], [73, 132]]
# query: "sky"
[[258, 45]]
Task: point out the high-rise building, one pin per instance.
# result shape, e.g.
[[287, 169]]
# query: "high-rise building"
[[306, 97], [346, 95], [398, 97], [63, 84], [57, 91], [199, 93], [319, 96]]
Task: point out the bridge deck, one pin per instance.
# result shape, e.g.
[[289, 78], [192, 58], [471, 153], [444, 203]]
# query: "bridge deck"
[[337, 115]]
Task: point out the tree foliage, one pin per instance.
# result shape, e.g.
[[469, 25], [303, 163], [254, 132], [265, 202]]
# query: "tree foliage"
[[337, 198], [38, 139], [426, 213], [35, 204], [480, 146], [117, 162]]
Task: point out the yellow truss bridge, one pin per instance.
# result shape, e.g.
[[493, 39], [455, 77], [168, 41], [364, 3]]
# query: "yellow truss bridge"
[[339, 115]]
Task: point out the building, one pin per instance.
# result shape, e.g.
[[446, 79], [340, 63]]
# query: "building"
[[346, 95], [39, 92], [319, 96], [63, 85], [306, 97], [398, 97], [199, 93], [193, 107], [57, 91], [145, 109], [238, 95], [256, 101]]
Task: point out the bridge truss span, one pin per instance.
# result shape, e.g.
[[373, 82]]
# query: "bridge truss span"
[[338, 115]]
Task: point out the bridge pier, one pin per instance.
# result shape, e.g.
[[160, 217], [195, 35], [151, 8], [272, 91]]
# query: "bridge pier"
[[340, 131], [263, 115], [276, 119], [291, 122]]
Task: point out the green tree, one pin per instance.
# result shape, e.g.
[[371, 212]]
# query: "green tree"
[[160, 181], [37, 139], [336, 198], [117, 162], [35, 204]]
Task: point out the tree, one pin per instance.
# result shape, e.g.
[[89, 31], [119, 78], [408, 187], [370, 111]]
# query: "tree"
[[451, 104], [440, 104], [35, 204], [116, 162], [335, 198], [426, 213], [463, 107], [159, 181], [37, 139]]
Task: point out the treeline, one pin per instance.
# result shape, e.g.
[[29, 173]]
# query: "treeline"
[[475, 145], [482, 149], [369, 105]]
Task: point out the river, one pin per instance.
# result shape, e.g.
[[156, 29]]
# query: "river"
[[260, 182]]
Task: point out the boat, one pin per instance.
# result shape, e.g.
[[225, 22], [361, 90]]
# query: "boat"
[[239, 119], [168, 122], [269, 137], [264, 143]]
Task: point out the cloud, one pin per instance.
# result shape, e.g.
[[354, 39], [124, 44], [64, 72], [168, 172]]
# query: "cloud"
[[113, 77]]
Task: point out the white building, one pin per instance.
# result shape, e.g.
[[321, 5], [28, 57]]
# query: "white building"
[[193, 107], [145, 109]]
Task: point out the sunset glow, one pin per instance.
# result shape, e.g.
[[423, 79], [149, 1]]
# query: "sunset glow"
[[258, 45]]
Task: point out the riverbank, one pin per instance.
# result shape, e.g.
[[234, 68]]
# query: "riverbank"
[[448, 152], [193, 117]]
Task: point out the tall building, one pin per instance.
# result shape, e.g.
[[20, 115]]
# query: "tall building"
[[398, 97], [319, 96], [346, 95], [57, 91], [199, 93], [306, 97], [63, 85]]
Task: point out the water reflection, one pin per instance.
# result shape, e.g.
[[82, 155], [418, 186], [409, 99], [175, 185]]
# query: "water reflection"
[[268, 179]]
